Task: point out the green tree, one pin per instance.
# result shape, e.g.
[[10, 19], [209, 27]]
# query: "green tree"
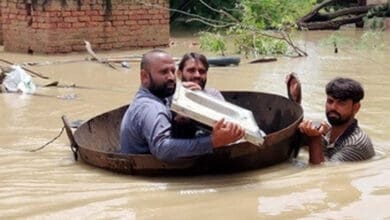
[[274, 14], [197, 8], [262, 27]]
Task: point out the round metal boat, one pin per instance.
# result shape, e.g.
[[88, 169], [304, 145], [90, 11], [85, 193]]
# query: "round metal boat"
[[97, 141]]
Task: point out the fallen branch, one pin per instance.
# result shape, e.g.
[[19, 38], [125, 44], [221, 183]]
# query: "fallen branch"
[[44, 63], [51, 84], [348, 11], [315, 10], [315, 20], [263, 60], [26, 69], [332, 24], [103, 60], [93, 54]]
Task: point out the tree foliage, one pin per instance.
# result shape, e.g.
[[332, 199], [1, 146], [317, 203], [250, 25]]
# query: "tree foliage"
[[197, 8], [213, 42], [274, 14], [263, 27], [253, 44]]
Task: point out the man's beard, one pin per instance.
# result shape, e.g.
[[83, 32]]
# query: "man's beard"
[[336, 120], [162, 91], [202, 83]]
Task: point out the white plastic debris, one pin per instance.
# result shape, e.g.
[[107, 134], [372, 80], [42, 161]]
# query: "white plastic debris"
[[18, 81], [125, 64]]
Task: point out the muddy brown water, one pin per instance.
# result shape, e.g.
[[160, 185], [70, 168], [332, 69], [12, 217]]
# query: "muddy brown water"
[[49, 184]]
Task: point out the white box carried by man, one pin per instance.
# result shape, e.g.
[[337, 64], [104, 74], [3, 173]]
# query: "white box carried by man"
[[206, 109]]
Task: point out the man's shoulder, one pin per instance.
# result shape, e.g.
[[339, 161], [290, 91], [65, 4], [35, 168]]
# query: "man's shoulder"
[[144, 100], [357, 146], [145, 104], [360, 138], [356, 135], [214, 92], [211, 90]]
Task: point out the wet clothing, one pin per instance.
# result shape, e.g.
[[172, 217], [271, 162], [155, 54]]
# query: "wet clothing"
[[353, 145], [146, 128]]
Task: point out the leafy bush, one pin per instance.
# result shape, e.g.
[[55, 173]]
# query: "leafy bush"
[[213, 42], [252, 44], [197, 8], [256, 27]]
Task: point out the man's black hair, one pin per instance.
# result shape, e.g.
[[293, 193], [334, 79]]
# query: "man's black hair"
[[345, 88], [195, 56]]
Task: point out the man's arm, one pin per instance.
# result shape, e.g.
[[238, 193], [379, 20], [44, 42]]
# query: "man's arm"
[[316, 154], [157, 130]]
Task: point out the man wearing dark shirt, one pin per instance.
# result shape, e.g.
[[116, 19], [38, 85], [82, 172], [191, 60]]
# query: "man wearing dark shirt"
[[146, 126]]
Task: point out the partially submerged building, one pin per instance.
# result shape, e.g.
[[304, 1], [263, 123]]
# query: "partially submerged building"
[[61, 26]]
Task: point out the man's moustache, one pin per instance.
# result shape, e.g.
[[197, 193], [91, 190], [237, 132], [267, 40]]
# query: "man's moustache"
[[334, 112]]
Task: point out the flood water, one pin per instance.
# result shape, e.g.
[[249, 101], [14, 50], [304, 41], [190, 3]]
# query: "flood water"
[[50, 184]]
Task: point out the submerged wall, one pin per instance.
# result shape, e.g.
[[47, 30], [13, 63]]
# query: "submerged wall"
[[1, 23], [59, 26]]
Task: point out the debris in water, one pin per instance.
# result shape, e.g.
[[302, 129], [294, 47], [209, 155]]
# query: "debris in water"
[[125, 64], [17, 80], [68, 96]]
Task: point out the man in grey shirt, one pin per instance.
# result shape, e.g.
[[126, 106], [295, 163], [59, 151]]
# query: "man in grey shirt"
[[146, 125], [345, 140]]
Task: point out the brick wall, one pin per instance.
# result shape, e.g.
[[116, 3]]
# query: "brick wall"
[[57, 28], [1, 26]]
